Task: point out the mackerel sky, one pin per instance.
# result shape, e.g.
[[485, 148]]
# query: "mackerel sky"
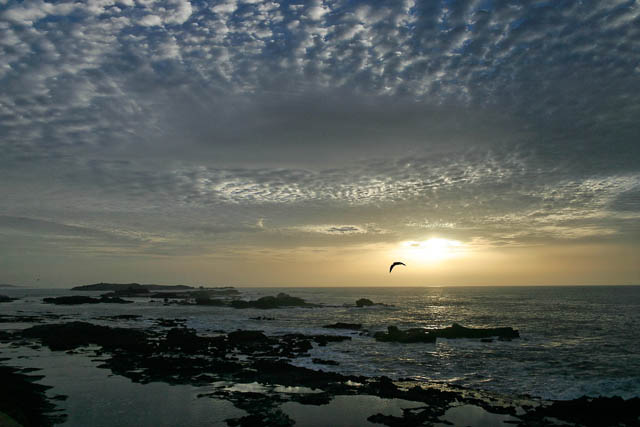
[[250, 142]]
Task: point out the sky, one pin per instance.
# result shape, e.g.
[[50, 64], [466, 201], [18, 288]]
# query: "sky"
[[312, 143]]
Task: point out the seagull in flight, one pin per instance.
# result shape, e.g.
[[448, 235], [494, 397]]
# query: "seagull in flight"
[[396, 263]]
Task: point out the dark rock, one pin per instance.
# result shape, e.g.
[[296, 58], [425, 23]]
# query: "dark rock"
[[341, 325], [414, 335], [80, 299], [170, 323], [67, 336], [243, 337], [24, 400], [185, 340], [280, 300], [210, 301], [458, 331], [394, 334], [322, 340], [71, 300], [4, 298], [588, 411], [128, 287], [364, 302], [114, 300]]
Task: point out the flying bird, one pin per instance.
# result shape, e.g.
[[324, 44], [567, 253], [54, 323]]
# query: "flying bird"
[[396, 263]]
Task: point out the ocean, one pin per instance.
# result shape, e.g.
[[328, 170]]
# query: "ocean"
[[574, 340]]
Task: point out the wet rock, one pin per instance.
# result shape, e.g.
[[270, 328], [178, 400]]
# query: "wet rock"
[[588, 411], [341, 325], [459, 331], [210, 301], [5, 298], [80, 299], [170, 323], [243, 337], [414, 335], [68, 336], [71, 300], [394, 334], [280, 300], [364, 302], [24, 401], [185, 340]]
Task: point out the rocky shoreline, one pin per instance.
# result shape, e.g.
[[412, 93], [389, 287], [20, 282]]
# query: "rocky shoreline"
[[174, 354]]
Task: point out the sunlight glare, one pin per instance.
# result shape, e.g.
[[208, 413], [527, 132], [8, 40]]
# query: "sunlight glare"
[[431, 250]]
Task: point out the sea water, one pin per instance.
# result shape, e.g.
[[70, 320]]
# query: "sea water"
[[574, 341]]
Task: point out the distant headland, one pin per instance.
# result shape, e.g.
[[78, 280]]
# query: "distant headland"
[[5, 285], [114, 287]]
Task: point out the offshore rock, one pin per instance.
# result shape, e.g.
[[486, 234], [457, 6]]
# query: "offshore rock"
[[280, 300], [454, 331], [459, 331], [364, 302], [210, 301], [4, 298], [79, 299]]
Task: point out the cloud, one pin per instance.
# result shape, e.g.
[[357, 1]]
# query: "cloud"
[[418, 117]]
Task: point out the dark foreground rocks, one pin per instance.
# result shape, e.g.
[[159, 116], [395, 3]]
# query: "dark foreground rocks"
[[23, 402], [67, 336], [178, 355], [454, 331]]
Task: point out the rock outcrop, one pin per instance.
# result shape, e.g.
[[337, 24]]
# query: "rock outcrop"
[[454, 331], [280, 300]]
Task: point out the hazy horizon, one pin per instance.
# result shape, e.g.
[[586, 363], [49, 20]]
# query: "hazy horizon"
[[312, 144]]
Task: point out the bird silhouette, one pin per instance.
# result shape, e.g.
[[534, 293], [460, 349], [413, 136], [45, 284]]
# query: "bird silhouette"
[[396, 263]]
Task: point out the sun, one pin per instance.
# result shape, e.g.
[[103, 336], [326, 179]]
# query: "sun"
[[432, 250]]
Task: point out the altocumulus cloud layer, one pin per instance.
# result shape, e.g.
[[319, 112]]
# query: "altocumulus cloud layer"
[[176, 127]]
